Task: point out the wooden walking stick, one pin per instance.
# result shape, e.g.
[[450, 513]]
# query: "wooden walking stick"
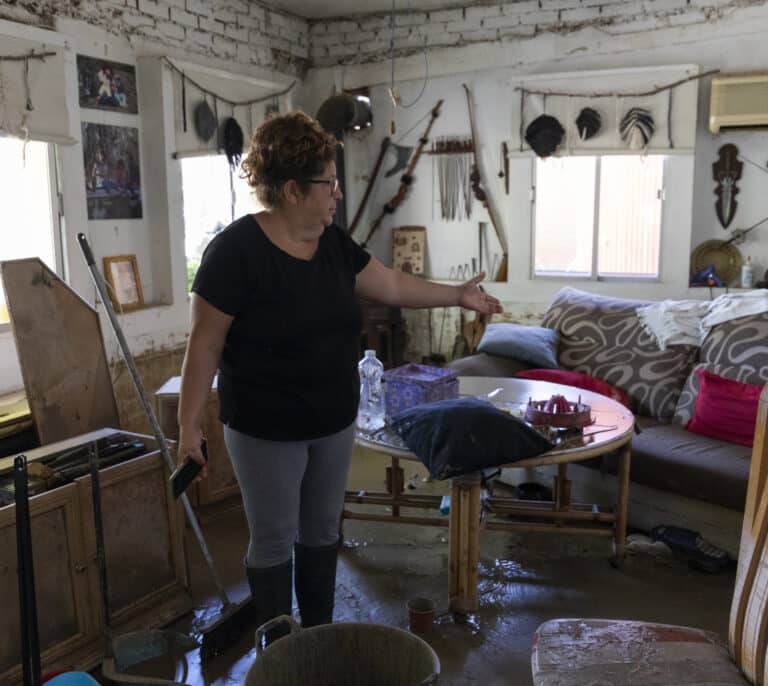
[[374, 175], [407, 178], [483, 197]]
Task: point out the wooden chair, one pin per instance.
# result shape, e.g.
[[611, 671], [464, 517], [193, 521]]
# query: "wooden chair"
[[578, 652]]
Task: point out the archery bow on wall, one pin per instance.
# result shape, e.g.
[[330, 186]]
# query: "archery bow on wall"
[[407, 178], [483, 196]]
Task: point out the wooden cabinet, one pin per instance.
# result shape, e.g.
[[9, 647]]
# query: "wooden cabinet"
[[221, 482], [146, 567], [383, 331]]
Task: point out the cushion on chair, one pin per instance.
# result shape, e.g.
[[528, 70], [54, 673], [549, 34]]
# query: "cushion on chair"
[[577, 652]]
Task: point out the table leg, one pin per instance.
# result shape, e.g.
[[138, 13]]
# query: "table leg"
[[464, 545], [620, 530]]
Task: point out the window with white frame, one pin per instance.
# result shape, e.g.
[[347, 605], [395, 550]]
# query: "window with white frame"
[[27, 218], [598, 217], [214, 196]]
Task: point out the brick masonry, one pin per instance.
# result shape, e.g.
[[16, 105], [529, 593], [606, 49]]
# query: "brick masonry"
[[249, 32], [351, 40]]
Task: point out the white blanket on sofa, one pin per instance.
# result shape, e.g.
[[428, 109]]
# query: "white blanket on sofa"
[[674, 322], [687, 322]]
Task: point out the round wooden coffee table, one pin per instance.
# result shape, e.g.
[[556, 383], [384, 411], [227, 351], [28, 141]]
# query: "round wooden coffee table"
[[611, 431]]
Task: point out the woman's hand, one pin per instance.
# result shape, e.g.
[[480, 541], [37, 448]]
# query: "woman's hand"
[[190, 441], [473, 297]]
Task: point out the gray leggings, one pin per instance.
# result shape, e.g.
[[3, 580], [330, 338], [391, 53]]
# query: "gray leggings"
[[290, 488]]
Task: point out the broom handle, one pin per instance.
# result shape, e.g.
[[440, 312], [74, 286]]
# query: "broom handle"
[[98, 281]]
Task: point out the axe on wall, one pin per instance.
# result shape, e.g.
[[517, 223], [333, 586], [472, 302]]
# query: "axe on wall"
[[403, 153]]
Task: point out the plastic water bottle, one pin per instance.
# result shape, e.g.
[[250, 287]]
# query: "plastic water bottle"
[[370, 415], [746, 273]]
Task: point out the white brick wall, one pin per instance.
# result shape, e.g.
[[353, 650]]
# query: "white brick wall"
[[249, 32], [333, 42]]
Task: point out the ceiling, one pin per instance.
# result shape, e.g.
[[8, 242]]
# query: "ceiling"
[[323, 9]]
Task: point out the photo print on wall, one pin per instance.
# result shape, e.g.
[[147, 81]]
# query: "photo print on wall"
[[105, 85], [112, 182]]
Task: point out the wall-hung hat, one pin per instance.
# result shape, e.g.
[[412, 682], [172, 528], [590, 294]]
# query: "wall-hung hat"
[[544, 135], [343, 111], [588, 123], [205, 121], [233, 142], [637, 128]]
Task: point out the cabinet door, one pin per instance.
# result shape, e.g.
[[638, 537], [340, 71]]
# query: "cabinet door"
[[221, 482], [61, 584], [146, 572]]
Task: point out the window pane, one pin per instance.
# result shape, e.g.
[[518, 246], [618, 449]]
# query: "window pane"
[[630, 215], [564, 215], [208, 203], [25, 205], [245, 200]]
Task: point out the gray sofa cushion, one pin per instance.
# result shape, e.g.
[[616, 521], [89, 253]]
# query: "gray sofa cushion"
[[603, 337], [670, 458]]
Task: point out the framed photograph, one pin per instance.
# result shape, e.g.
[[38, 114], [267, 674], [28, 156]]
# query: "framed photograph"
[[105, 85], [123, 282], [112, 179]]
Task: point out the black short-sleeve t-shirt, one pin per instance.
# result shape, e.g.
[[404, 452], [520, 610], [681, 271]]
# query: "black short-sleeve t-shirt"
[[288, 369]]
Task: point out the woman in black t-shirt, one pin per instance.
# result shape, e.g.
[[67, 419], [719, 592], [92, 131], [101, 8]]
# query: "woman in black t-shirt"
[[274, 309]]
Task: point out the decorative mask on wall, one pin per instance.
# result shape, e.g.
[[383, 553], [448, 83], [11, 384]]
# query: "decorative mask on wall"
[[726, 171], [205, 121], [544, 134], [637, 128], [588, 123]]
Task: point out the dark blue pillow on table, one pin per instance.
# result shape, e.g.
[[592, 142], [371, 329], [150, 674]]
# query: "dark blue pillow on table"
[[464, 435]]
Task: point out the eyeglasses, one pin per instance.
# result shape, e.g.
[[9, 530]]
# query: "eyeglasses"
[[333, 184]]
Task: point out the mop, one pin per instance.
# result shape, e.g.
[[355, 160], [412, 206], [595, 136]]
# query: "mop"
[[235, 618]]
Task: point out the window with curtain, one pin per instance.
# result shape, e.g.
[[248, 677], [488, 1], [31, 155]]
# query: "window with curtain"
[[598, 216], [27, 217], [214, 196]]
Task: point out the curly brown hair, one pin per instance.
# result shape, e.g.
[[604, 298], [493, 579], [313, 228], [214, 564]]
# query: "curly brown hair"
[[287, 147]]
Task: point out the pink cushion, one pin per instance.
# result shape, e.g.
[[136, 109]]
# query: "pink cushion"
[[579, 380], [725, 409]]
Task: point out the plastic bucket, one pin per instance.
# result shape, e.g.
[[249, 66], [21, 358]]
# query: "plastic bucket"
[[344, 654]]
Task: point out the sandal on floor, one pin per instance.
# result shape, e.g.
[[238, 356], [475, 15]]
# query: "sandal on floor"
[[706, 557]]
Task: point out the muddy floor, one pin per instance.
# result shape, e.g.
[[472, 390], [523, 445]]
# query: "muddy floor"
[[525, 579]]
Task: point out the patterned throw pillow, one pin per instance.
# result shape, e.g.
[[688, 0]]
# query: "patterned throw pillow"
[[604, 338]]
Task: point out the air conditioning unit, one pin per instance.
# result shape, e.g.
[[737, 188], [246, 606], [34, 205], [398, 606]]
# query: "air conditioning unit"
[[739, 101]]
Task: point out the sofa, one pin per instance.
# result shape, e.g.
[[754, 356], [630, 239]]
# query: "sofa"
[[677, 477]]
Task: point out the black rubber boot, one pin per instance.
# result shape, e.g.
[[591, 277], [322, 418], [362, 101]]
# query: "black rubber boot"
[[315, 582], [271, 595]]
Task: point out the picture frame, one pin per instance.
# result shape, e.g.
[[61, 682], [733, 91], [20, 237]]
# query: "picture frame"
[[112, 171], [124, 283], [106, 85]]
